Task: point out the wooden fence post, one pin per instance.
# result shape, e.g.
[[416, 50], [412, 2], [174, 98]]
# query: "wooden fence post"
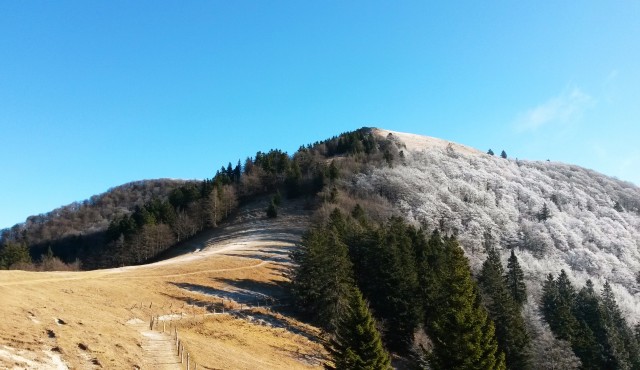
[[188, 361]]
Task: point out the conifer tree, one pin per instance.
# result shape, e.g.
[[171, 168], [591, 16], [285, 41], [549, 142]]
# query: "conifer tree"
[[358, 214], [463, 334], [432, 267], [589, 343], [618, 207], [549, 297], [293, 180], [357, 344], [624, 347], [544, 213], [14, 254], [385, 266], [515, 280], [511, 332], [563, 322], [333, 171], [322, 278], [272, 210], [237, 171]]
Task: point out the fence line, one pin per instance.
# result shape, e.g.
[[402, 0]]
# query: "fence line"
[[186, 359]]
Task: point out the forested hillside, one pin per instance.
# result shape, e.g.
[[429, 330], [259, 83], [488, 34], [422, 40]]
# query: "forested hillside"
[[73, 229], [557, 216], [136, 222], [554, 219]]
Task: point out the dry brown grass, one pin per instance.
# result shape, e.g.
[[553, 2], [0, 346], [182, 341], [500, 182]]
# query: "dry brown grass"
[[420, 142], [85, 317]]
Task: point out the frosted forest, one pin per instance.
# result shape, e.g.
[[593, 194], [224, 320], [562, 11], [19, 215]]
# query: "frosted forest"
[[556, 216]]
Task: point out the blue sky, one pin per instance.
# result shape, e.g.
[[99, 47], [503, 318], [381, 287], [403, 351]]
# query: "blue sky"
[[96, 94]]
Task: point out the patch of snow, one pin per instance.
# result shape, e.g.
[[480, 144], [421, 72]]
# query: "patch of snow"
[[23, 359]]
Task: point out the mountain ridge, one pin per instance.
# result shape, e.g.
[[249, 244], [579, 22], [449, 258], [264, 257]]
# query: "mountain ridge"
[[555, 217]]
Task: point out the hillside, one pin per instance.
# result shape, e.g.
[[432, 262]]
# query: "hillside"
[[100, 319], [592, 230], [74, 230], [400, 229]]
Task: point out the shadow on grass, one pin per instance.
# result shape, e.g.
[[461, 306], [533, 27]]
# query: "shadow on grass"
[[261, 257], [315, 358], [274, 314], [240, 296], [202, 303]]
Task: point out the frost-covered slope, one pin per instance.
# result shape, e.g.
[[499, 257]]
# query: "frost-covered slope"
[[477, 196]]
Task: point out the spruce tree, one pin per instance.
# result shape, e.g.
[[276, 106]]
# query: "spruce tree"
[[463, 334], [322, 277], [272, 210], [358, 214], [432, 268], [544, 213], [589, 344], [385, 265], [564, 323], [515, 280], [357, 344], [503, 154], [549, 299], [511, 332], [293, 180], [14, 254], [625, 348]]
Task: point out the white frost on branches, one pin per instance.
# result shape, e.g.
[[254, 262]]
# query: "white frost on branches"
[[593, 228]]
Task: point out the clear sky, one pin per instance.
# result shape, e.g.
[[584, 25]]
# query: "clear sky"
[[94, 94]]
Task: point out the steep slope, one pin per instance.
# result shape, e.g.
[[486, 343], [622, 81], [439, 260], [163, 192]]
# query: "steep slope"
[[591, 225], [100, 319]]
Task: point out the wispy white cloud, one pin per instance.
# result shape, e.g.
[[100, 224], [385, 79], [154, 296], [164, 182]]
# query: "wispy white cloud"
[[564, 108]]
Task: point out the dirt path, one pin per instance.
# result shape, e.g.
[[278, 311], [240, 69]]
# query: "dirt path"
[[159, 349]]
